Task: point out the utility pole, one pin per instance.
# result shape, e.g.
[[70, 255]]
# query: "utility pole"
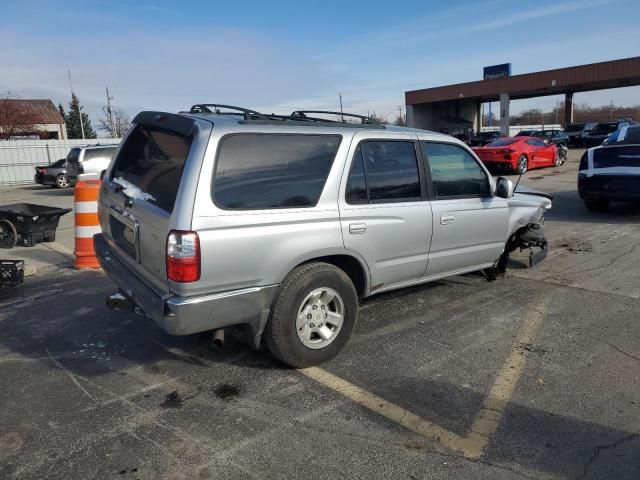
[[341, 112], [557, 108], [611, 111], [400, 115], [110, 114], [79, 112]]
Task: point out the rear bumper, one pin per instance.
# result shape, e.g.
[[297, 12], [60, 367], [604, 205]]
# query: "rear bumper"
[[499, 165], [609, 187], [186, 315]]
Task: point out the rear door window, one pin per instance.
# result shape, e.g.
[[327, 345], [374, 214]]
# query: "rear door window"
[[150, 163], [264, 171], [384, 172], [454, 172]]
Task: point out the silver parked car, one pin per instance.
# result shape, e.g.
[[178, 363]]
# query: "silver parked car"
[[282, 223]]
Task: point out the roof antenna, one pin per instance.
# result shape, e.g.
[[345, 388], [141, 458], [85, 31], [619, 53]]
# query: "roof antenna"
[[341, 112]]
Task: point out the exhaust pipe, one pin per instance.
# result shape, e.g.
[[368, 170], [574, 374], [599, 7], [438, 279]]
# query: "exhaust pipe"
[[218, 337], [119, 302]]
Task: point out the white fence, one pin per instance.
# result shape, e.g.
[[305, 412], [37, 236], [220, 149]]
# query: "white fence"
[[18, 157]]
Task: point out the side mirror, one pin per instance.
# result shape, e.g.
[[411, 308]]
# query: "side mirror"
[[504, 188]]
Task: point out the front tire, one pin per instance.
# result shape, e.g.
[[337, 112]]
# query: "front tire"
[[313, 315], [596, 204], [523, 164]]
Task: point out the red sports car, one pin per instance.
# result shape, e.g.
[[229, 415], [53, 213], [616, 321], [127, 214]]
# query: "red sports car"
[[518, 154]]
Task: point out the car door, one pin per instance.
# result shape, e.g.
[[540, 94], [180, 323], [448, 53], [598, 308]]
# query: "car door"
[[384, 211], [539, 152], [470, 225]]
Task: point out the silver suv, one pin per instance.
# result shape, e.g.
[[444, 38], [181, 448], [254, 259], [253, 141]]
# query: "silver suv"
[[89, 159], [215, 218]]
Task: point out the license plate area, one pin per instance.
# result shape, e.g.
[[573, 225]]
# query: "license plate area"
[[125, 232]]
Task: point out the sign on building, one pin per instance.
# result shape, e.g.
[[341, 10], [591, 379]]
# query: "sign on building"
[[497, 71]]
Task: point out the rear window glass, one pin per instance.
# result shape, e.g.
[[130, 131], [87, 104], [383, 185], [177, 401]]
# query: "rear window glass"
[[574, 128], [628, 156], [92, 153], [152, 160], [260, 171], [501, 142]]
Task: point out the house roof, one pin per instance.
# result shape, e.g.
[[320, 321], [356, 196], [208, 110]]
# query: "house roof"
[[41, 111]]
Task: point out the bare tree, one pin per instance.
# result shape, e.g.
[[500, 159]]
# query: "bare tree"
[[14, 119], [116, 122]]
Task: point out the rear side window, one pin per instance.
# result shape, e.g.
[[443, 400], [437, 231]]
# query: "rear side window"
[[151, 160], [384, 171], [454, 171], [261, 171]]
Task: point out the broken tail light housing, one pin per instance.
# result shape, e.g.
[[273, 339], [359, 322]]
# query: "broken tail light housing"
[[183, 256]]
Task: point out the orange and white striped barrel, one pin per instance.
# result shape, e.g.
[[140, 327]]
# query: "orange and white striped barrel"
[[87, 223]]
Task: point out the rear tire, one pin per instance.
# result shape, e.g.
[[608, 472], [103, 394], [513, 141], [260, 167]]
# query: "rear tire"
[[62, 181], [596, 204], [303, 328]]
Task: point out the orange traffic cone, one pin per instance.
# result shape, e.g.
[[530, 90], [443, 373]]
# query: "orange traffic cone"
[[87, 223]]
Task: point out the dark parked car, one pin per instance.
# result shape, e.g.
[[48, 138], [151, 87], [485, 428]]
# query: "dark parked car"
[[482, 138], [602, 130], [552, 135], [576, 131], [54, 174], [524, 133], [609, 174]]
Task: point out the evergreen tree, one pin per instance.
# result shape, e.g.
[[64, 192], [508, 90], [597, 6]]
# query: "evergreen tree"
[[61, 110], [72, 119]]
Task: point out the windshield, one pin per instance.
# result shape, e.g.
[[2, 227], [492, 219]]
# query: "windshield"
[[501, 142], [627, 156]]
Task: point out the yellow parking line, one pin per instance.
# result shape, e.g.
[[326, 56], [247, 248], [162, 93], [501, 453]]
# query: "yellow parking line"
[[488, 419], [393, 412], [472, 445]]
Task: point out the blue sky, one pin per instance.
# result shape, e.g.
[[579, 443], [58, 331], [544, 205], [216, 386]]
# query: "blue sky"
[[282, 55]]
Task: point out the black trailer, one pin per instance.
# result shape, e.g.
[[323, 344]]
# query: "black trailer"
[[27, 224]]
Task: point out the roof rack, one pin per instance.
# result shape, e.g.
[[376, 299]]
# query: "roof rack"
[[303, 114], [298, 117], [207, 108]]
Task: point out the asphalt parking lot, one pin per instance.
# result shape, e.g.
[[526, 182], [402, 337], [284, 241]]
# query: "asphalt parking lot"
[[535, 375]]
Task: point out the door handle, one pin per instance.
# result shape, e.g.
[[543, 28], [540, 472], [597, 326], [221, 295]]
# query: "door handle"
[[447, 219], [357, 228]]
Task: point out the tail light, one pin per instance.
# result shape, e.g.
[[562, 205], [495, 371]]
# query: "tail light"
[[183, 256], [506, 152]]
